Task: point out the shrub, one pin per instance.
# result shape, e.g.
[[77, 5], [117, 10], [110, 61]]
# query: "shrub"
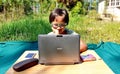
[[78, 9]]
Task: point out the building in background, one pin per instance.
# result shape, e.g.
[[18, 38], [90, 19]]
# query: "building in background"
[[111, 7]]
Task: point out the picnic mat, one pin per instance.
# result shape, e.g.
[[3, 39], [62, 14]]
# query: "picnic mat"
[[110, 53], [11, 51]]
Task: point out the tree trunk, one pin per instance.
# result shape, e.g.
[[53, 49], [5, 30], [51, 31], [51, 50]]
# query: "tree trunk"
[[5, 12]]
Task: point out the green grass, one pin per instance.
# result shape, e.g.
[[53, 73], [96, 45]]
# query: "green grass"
[[91, 31], [25, 29]]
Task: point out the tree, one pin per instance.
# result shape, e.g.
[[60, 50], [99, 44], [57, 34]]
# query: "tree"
[[68, 3], [77, 9]]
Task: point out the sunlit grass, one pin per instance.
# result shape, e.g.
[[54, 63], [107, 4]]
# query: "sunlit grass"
[[90, 30], [93, 31], [26, 29]]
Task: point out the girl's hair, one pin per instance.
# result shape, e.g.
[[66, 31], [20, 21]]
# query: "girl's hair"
[[59, 12]]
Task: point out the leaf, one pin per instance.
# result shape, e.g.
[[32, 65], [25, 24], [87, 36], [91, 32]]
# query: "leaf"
[[4, 1]]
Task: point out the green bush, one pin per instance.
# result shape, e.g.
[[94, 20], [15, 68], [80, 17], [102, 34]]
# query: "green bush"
[[27, 7], [76, 10]]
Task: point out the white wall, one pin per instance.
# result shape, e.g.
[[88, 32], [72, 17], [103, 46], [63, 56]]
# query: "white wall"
[[113, 10], [101, 6]]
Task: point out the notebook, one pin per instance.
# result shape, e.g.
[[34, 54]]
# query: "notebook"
[[59, 49]]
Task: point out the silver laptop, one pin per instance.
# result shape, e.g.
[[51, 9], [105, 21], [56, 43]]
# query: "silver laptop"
[[59, 49]]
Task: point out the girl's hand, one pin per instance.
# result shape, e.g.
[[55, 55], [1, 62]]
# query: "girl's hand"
[[56, 31]]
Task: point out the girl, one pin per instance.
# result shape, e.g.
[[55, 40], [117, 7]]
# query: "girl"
[[59, 19]]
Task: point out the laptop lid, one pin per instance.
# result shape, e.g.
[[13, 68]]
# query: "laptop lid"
[[59, 49]]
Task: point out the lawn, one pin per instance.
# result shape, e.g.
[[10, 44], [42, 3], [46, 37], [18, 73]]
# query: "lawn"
[[91, 30]]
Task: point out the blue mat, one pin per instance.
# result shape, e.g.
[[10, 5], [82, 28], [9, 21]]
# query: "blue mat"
[[110, 53], [11, 51]]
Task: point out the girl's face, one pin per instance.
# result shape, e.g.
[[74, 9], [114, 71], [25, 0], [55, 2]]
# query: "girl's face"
[[58, 25]]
